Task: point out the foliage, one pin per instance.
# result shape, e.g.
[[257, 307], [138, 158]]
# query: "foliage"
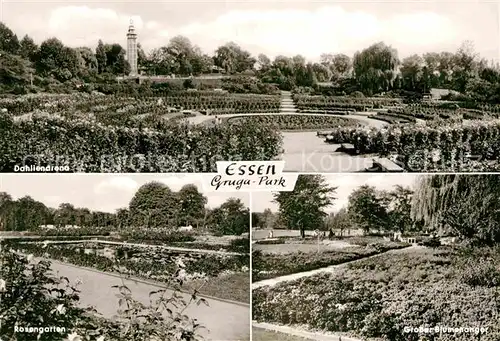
[[303, 208], [89, 147], [376, 298], [454, 146], [297, 122], [231, 218], [463, 206]]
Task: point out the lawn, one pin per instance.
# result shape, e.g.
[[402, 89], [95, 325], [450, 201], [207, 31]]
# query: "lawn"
[[259, 334], [234, 287], [309, 246], [270, 265]]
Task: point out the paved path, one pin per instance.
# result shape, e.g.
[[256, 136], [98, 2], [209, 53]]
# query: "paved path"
[[324, 336], [225, 321], [329, 269], [172, 248]]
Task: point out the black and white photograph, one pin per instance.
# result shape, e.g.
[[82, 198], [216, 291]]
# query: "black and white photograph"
[[172, 87], [377, 258], [122, 257]]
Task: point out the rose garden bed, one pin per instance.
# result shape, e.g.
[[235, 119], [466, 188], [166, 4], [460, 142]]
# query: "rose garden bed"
[[154, 264]]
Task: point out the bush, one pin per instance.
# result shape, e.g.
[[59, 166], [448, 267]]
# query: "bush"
[[431, 242]]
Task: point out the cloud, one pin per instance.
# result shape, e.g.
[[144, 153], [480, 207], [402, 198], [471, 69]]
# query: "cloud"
[[121, 183], [327, 29], [288, 31]]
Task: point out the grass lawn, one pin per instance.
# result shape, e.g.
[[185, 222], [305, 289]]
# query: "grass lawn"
[[235, 287], [259, 334]]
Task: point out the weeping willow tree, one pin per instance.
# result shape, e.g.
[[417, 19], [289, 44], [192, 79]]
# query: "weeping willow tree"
[[467, 206]]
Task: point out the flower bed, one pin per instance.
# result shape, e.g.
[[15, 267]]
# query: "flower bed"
[[267, 266], [393, 118], [429, 112], [307, 102], [297, 122], [89, 147], [375, 299], [226, 103], [419, 145], [148, 263], [203, 100]]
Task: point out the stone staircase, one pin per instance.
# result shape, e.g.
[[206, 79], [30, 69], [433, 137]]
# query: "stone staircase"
[[287, 105]]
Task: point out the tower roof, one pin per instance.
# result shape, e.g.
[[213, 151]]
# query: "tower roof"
[[131, 29]]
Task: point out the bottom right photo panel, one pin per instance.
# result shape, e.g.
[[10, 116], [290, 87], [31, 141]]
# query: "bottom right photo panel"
[[364, 257]]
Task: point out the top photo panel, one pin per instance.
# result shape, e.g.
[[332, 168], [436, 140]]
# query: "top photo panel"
[[175, 86]]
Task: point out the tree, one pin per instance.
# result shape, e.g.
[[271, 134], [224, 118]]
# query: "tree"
[[122, 218], [182, 51], [191, 205], [263, 63], [115, 60], [153, 205], [65, 215], [367, 209], [100, 54], [56, 60], [27, 48], [412, 72], [460, 205], [303, 208], [233, 59], [8, 40], [231, 218], [15, 71], [375, 68], [400, 208], [339, 221], [87, 61]]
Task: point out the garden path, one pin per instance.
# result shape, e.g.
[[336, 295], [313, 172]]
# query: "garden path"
[[329, 269], [225, 320]]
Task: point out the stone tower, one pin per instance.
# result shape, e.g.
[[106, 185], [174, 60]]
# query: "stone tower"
[[132, 49]]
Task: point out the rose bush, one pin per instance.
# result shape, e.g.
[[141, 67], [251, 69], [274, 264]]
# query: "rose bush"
[[90, 147]]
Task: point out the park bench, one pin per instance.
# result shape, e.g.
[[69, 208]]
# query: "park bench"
[[386, 165]]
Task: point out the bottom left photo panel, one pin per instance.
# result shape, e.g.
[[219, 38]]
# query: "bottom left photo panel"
[[122, 257]]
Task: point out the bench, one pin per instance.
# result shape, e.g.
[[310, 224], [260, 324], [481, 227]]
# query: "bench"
[[386, 165]]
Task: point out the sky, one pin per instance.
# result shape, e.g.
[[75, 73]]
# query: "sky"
[[266, 26], [100, 192], [345, 184]]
